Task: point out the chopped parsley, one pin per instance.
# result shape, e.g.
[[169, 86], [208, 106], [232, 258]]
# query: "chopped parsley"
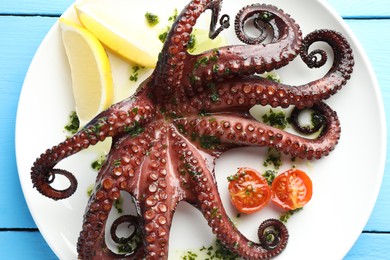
[[74, 123], [90, 190], [173, 17], [235, 177], [266, 16], [286, 216], [269, 175], [134, 130], [317, 119], [118, 204], [221, 252], [151, 19], [209, 141], [216, 251], [132, 244], [189, 256], [276, 119], [163, 36], [97, 164], [134, 74], [191, 43], [274, 158]]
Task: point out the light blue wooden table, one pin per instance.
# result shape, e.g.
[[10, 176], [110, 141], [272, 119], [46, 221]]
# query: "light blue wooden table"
[[23, 25]]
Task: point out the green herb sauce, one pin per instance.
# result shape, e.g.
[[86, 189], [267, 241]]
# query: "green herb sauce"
[[74, 123], [276, 119]]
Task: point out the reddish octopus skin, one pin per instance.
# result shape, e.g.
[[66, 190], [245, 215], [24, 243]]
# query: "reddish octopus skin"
[[157, 154]]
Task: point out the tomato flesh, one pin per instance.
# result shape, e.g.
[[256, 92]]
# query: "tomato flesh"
[[292, 189], [249, 191]]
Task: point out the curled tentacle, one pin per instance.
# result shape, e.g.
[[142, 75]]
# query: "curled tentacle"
[[318, 121], [225, 62], [132, 222], [262, 19], [343, 62], [224, 21], [272, 233], [42, 183], [121, 118]]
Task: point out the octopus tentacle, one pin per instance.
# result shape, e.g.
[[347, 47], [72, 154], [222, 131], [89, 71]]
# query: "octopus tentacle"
[[131, 220], [210, 204], [243, 59], [120, 118], [318, 121], [120, 172], [156, 195], [240, 129], [91, 243], [224, 21], [243, 92], [171, 63]]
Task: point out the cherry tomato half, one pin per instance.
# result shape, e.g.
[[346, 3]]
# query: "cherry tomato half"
[[249, 191], [292, 189]]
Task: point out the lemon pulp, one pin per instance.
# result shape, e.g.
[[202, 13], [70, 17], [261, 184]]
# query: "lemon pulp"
[[130, 39], [92, 82]]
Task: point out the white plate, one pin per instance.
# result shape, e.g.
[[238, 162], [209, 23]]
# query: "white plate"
[[346, 183]]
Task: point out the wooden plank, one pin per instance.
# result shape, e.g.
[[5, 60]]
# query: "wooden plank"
[[369, 32], [21, 37], [24, 245], [369, 246], [361, 8]]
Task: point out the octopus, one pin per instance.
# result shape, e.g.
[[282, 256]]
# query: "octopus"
[[167, 136]]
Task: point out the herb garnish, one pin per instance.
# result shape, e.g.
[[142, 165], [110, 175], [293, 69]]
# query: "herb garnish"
[[74, 123], [274, 157], [151, 19], [134, 75], [286, 216], [276, 119]]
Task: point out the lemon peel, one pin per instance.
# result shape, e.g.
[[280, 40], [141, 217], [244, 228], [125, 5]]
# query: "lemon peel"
[[132, 40], [92, 81]]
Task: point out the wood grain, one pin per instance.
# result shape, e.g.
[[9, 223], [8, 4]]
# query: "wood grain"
[[24, 245], [21, 37]]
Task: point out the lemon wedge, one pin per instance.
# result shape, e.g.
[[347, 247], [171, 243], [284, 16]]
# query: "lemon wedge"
[[90, 70], [132, 40]]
